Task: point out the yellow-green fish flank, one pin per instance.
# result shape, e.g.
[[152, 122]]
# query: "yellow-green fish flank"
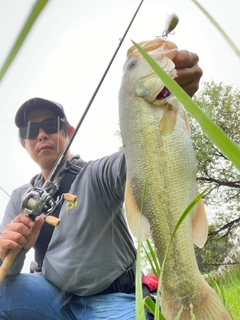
[[159, 152]]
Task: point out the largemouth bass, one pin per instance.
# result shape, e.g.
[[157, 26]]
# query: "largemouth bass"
[[156, 139]]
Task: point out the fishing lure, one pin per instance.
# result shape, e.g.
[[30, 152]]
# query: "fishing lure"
[[170, 24]]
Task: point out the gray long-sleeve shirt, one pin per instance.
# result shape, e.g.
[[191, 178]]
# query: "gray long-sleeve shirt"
[[92, 246]]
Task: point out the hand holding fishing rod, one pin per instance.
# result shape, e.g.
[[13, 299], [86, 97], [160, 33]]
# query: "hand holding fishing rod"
[[22, 232]]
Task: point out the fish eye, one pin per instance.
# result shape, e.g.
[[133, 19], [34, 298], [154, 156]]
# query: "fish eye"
[[131, 64]]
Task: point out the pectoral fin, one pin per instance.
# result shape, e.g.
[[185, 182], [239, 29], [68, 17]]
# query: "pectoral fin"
[[200, 225], [138, 223], [168, 120]]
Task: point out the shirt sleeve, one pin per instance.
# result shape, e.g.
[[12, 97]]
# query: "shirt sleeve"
[[109, 178]]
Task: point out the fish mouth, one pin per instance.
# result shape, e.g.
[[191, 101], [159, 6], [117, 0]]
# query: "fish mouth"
[[163, 94]]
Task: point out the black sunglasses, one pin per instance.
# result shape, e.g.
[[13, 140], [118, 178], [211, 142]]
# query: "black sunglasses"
[[49, 126]]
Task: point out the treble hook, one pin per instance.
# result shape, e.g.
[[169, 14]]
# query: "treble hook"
[[170, 24]]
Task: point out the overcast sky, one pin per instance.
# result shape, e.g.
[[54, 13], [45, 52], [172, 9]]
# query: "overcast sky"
[[69, 48]]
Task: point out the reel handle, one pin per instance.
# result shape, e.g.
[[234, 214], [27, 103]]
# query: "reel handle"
[[53, 221]]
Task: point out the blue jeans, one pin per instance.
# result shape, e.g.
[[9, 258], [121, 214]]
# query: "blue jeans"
[[32, 297]]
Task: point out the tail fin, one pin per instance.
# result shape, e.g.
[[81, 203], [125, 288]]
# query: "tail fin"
[[206, 306]]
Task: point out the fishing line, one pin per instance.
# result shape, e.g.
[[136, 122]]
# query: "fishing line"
[[60, 159], [5, 191]]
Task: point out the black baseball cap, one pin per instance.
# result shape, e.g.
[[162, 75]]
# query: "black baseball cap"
[[36, 103]]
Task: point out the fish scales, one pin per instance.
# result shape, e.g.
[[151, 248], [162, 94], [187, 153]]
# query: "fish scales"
[[164, 190], [160, 156]]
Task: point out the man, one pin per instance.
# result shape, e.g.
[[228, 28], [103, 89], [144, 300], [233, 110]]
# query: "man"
[[89, 266]]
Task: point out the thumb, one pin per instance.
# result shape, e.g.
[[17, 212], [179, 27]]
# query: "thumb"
[[39, 221]]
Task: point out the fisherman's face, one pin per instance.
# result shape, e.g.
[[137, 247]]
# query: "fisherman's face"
[[45, 148]]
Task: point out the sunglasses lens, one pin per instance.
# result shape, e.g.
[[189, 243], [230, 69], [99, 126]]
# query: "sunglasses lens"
[[52, 126], [49, 126], [30, 131]]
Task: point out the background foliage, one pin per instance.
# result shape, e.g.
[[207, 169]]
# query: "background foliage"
[[221, 103]]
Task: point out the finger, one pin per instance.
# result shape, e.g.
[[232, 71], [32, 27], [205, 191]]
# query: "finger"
[[22, 218], [38, 224], [185, 59], [11, 244], [18, 237], [187, 75], [17, 227], [35, 230], [3, 253], [189, 79]]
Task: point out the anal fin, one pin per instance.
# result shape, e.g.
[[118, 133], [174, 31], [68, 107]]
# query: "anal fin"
[[200, 225]]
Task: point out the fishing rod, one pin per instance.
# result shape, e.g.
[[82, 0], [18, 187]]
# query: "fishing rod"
[[58, 164], [40, 200]]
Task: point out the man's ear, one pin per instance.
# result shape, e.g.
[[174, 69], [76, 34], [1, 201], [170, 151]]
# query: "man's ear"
[[71, 130], [23, 143]]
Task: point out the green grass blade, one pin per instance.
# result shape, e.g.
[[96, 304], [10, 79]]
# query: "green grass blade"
[[179, 314], [150, 260], [214, 22], [192, 313], [39, 5], [215, 134], [186, 212], [151, 307], [154, 258], [140, 312]]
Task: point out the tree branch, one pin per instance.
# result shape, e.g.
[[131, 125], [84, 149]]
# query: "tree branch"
[[227, 226], [231, 184]]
